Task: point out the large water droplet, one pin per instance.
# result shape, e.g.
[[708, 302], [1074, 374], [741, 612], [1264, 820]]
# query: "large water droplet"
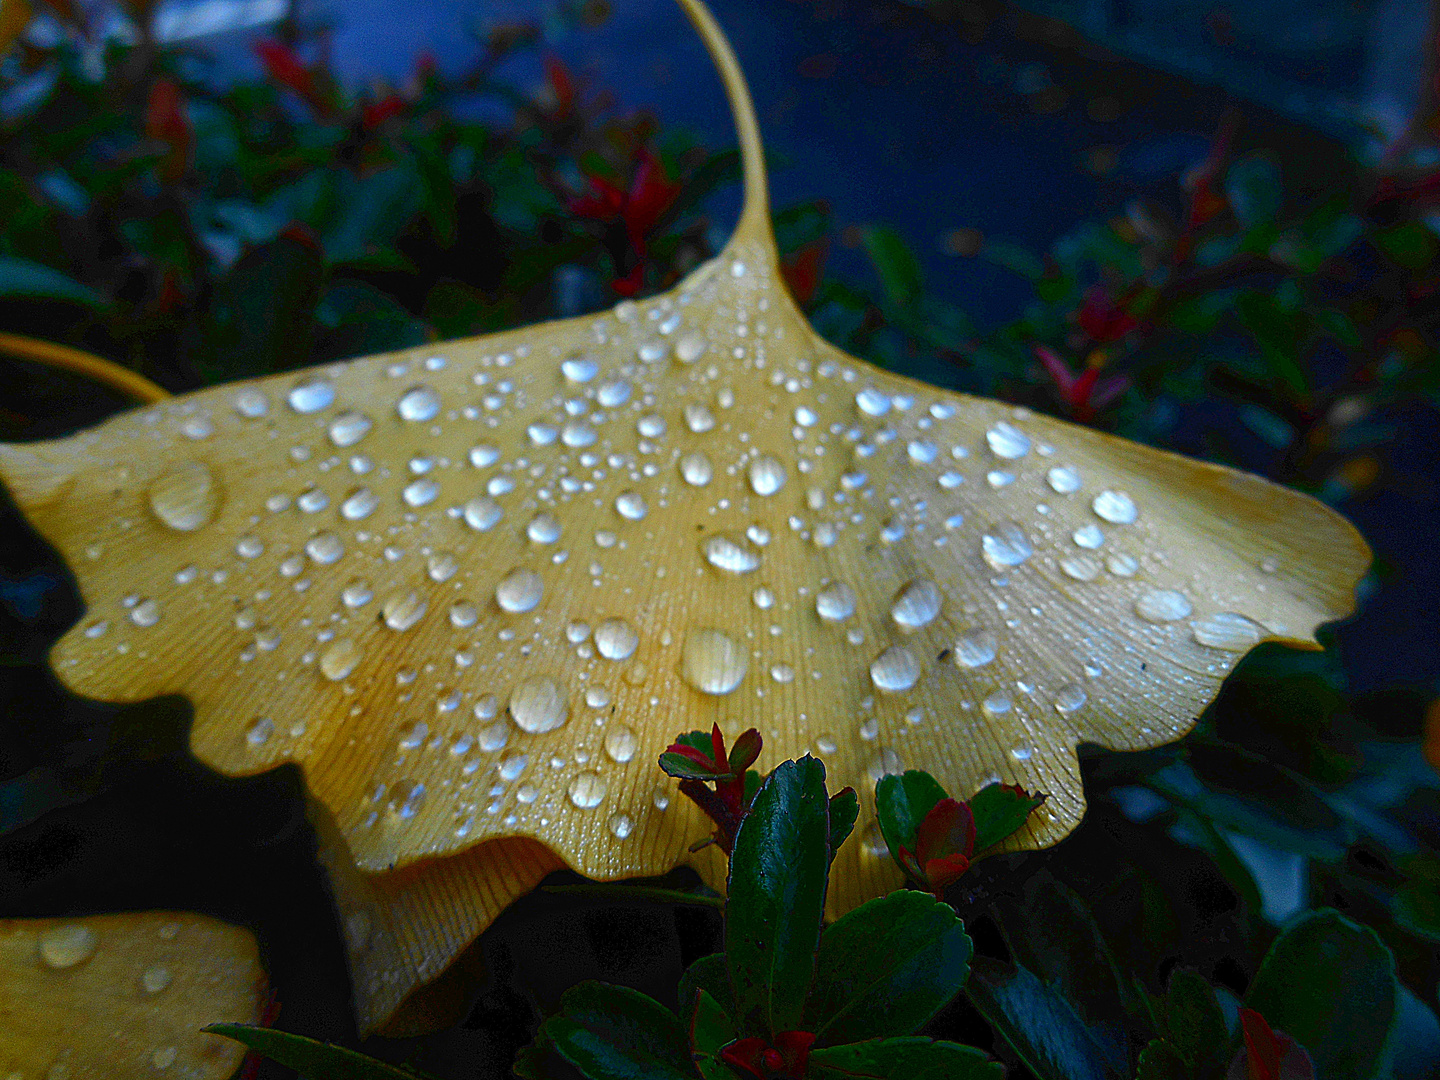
[[630, 506], [185, 498], [1063, 480], [835, 602], [917, 605], [712, 661], [421, 492], [1005, 545], [621, 743], [324, 548], [696, 469], [67, 945], [579, 369], [482, 513], [895, 670], [403, 610], [873, 402], [1007, 441], [537, 706], [360, 503], [349, 428], [543, 529], [1162, 605], [519, 591], [767, 476], [730, 555], [975, 649], [698, 418], [1227, 630], [1115, 507], [613, 393], [312, 395], [419, 403], [339, 659], [587, 790], [616, 639]]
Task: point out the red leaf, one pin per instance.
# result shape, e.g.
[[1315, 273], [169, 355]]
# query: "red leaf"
[[376, 113], [285, 67], [562, 86], [651, 194], [949, 829], [802, 270], [940, 873], [745, 1055], [165, 122], [1263, 1048]]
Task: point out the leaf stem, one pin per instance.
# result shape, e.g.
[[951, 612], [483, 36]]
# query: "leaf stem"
[[639, 892]]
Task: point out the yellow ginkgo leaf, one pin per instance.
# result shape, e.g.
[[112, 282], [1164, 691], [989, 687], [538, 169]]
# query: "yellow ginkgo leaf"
[[120, 997], [475, 589]]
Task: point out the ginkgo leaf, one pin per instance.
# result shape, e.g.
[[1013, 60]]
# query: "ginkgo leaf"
[[115, 997], [476, 589]]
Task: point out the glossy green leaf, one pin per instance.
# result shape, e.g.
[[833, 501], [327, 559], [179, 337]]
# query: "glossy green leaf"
[[615, 1033], [999, 811], [1161, 1061], [710, 1029], [886, 968], [711, 974], [901, 803], [844, 809], [1329, 984], [1193, 1017], [906, 1058], [1041, 1026], [778, 876], [23, 278], [312, 1059]]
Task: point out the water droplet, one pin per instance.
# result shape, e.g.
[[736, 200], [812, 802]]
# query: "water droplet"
[[712, 662], [1115, 507], [1080, 567], [885, 763], [696, 469], [621, 743], [1162, 605], [67, 945], [917, 605], [349, 428], [767, 476], [442, 566], [1069, 698], [537, 705], [542, 434], [312, 395], [1227, 630], [616, 639], [1005, 545], [259, 731], [835, 602], [782, 673], [698, 418], [922, 452], [339, 659], [357, 594], [164, 1057], [406, 798], [1063, 479], [1122, 565], [587, 790], [419, 403], [690, 348], [185, 498], [613, 393], [421, 492], [482, 513], [325, 548], [145, 613], [579, 369], [519, 591], [483, 456], [401, 611], [512, 765], [493, 737], [620, 825], [996, 704], [577, 436], [1007, 441], [873, 402], [895, 670], [155, 978], [630, 506], [732, 556], [763, 598], [975, 649], [650, 426], [251, 403], [360, 503], [1089, 536], [543, 529]]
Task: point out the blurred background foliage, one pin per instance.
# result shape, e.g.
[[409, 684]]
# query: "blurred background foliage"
[[1254, 305]]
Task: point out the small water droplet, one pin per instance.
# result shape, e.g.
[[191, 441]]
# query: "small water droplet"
[[975, 649], [997, 704], [587, 790], [145, 613], [325, 548], [782, 673], [613, 393], [482, 513], [1069, 698], [1007, 441], [763, 598], [620, 825], [259, 731], [917, 605], [66, 945], [577, 436], [312, 500], [543, 529], [712, 662], [922, 452], [621, 743], [1005, 545], [251, 403], [406, 798], [698, 418], [579, 369], [186, 498], [767, 476], [1063, 480], [1122, 565], [1227, 630], [696, 469], [357, 594], [1115, 507], [885, 763], [419, 403], [690, 347], [339, 659], [349, 428], [616, 639], [873, 402], [1162, 605], [312, 395], [421, 492], [155, 978], [512, 765], [895, 670], [519, 591], [630, 506], [835, 602], [1080, 567], [360, 503], [1089, 536], [537, 705], [164, 1057], [442, 566], [730, 555], [403, 610]]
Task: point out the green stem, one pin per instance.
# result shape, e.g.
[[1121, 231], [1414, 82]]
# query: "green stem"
[[640, 892]]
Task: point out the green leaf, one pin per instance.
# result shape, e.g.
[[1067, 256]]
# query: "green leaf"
[[901, 803], [314, 1060], [999, 811], [1161, 1061], [1416, 903], [710, 1029], [886, 968], [778, 876], [1277, 332], [21, 277], [1193, 1017], [912, 1058], [844, 809], [711, 974], [683, 768], [1041, 1026], [1329, 984], [1253, 188], [895, 264], [615, 1033]]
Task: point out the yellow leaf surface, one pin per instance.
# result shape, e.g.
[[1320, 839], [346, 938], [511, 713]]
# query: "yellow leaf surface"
[[116, 997], [475, 589]]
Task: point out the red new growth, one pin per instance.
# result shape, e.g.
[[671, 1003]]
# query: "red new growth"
[[944, 844], [786, 1058]]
